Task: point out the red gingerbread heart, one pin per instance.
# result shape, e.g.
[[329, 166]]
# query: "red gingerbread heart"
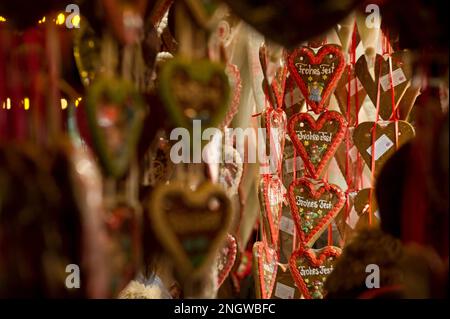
[[317, 74], [265, 268], [313, 206], [317, 141], [274, 121], [310, 268], [272, 202], [227, 257]]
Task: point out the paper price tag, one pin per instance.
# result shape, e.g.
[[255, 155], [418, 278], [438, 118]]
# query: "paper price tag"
[[398, 77], [382, 145], [287, 225], [359, 86], [283, 291], [289, 164]]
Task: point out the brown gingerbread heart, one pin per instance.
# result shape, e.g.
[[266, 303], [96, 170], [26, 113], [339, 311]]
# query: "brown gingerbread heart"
[[310, 268], [317, 74], [191, 224], [386, 142], [265, 267], [226, 259], [271, 198], [401, 74], [313, 207], [316, 141]]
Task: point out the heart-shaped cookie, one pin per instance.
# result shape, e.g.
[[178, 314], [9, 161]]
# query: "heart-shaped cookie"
[[313, 207], [401, 74], [274, 121], [317, 141], [191, 225], [194, 90], [271, 198], [226, 259], [234, 76], [310, 269], [317, 74], [350, 95], [265, 267], [115, 113], [385, 141], [123, 228]]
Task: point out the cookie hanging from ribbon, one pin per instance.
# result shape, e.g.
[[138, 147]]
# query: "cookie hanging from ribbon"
[[275, 123], [271, 197], [265, 267], [226, 259], [400, 77], [387, 141], [317, 74], [313, 207], [194, 90], [316, 141], [191, 225], [115, 112], [310, 268]]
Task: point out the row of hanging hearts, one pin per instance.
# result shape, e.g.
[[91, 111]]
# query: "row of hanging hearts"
[[313, 202]]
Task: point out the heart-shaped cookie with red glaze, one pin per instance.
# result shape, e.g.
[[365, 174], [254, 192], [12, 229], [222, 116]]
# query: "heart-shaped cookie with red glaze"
[[271, 198], [310, 268], [317, 74], [226, 259], [313, 207], [234, 75], [275, 123], [386, 142], [317, 141], [265, 267], [191, 225]]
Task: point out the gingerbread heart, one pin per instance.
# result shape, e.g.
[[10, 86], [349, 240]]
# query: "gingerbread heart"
[[317, 141], [265, 267], [274, 121], [317, 74], [194, 90], [271, 198], [115, 113], [123, 228], [310, 268], [236, 86], [385, 140], [226, 259], [313, 207], [401, 73], [350, 95], [190, 224]]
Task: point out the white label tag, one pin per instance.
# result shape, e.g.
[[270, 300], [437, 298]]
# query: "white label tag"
[[291, 98], [398, 77], [359, 86], [352, 218], [289, 164], [353, 153], [283, 291], [382, 145], [287, 225]]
